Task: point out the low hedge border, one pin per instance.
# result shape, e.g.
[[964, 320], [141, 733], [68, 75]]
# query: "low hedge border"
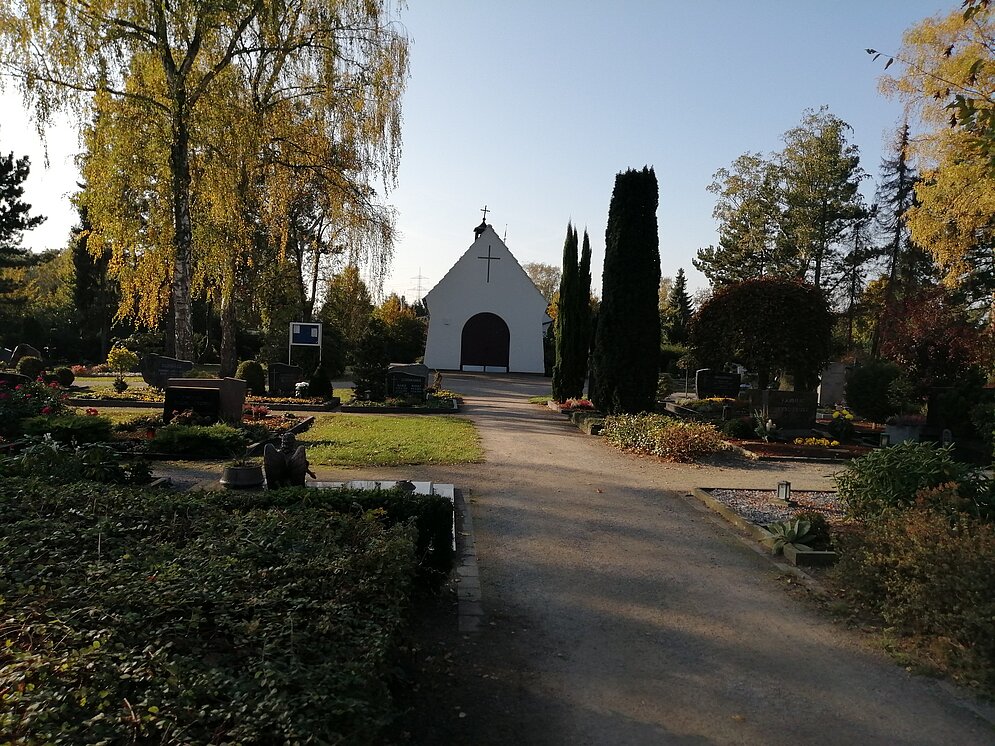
[[138, 615]]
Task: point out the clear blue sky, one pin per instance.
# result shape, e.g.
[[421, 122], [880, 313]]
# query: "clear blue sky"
[[532, 108]]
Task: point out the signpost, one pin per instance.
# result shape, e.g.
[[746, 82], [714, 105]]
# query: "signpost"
[[304, 334]]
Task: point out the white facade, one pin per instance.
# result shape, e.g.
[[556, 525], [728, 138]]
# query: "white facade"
[[463, 333]]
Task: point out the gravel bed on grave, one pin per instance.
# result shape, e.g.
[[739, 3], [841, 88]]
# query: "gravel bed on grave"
[[759, 506]]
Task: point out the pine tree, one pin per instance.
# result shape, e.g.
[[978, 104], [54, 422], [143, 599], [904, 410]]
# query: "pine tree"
[[679, 311], [563, 386], [628, 337], [14, 218], [95, 294]]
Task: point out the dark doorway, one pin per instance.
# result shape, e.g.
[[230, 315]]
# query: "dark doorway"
[[486, 342]]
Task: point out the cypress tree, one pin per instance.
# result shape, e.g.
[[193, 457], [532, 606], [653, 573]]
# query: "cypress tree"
[[628, 336], [586, 335], [564, 367]]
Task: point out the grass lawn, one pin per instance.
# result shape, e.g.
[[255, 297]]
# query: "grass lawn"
[[391, 440], [106, 383], [122, 414]]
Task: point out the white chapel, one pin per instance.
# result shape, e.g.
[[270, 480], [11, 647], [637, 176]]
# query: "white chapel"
[[485, 314]]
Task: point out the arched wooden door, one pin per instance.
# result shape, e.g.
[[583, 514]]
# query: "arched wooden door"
[[486, 341]]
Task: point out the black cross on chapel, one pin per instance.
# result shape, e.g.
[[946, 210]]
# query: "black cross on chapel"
[[489, 259]]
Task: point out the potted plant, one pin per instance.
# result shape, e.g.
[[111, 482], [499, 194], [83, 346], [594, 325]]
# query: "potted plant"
[[242, 473]]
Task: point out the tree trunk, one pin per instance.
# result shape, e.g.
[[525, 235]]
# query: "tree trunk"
[[179, 162], [229, 354]]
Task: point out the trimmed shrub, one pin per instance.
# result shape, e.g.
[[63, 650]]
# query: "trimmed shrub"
[[30, 366], [254, 376], [431, 515], [929, 575], [217, 441], [889, 479], [666, 437], [70, 428], [64, 376], [868, 389], [321, 385], [741, 428]]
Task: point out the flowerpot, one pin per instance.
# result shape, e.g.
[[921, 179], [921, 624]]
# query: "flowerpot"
[[242, 477]]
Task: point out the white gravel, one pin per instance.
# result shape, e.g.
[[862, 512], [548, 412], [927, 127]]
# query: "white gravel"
[[761, 507]]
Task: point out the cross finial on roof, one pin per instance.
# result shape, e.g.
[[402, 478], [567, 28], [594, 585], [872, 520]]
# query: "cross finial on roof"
[[485, 211]]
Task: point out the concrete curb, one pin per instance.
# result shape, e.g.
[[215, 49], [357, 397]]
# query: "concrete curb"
[[470, 611]]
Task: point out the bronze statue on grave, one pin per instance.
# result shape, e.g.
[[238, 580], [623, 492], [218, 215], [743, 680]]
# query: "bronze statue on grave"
[[287, 465]]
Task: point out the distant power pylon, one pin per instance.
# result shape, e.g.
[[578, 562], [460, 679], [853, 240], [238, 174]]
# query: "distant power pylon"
[[419, 289]]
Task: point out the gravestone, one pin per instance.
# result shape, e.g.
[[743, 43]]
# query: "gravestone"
[[23, 350], [283, 379], [158, 369], [790, 410], [709, 383], [202, 401], [228, 398], [832, 385], [5, 355], [408, 381]]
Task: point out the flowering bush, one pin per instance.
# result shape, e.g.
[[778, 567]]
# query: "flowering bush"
[[80, 370], [28, 400], [121, 360], [578, 404], [255, 411], [671, 439], [815, 442], [841, 425]]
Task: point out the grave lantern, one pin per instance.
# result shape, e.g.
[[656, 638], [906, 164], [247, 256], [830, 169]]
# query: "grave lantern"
[[784, 491]]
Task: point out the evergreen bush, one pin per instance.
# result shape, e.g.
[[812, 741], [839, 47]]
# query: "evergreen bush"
[[868, 389], [251, 371], [30, 366], [70, 428], [211, 441], [64, 376]]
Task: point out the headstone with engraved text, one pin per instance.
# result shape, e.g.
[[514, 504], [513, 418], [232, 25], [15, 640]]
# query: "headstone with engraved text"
[[407, 381], [709, 383], [158, 369], [283, 379]]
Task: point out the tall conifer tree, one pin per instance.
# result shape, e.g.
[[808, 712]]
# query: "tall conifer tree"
[[628, 337], [584, 312], [679, 311], [566, 331]]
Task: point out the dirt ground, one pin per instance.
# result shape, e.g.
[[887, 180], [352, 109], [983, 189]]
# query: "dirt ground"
[[619, 611]]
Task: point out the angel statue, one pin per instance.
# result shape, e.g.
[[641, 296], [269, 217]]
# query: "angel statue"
[[287, 465]]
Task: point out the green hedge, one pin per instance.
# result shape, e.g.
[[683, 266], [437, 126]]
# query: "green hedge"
[[431, 515], [135, 615], [69, 428], [217, 441]]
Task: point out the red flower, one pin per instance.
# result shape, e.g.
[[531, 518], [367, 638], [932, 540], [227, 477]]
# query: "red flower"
[[46, 410]]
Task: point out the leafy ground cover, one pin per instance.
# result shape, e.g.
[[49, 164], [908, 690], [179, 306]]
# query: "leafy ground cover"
[[388, 440], [135, 615], [669, 438]]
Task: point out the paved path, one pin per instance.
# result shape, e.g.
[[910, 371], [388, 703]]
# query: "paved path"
[[619, 612]]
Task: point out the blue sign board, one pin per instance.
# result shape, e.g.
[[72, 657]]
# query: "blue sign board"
[[307, 335]]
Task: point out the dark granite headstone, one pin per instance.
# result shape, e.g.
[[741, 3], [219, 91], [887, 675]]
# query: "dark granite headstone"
[[203, 401], [710, 383], [790, 410], [23, 350], [10, 380], [407, 380], [283, 379], [158, 369], [5, 355], [231, 394]]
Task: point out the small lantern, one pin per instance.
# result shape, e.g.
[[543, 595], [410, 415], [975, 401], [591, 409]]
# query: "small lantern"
[[784, 491], [884, 440]]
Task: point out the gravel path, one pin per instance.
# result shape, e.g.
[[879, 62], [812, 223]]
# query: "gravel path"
[[620, 611], [759, 506]]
